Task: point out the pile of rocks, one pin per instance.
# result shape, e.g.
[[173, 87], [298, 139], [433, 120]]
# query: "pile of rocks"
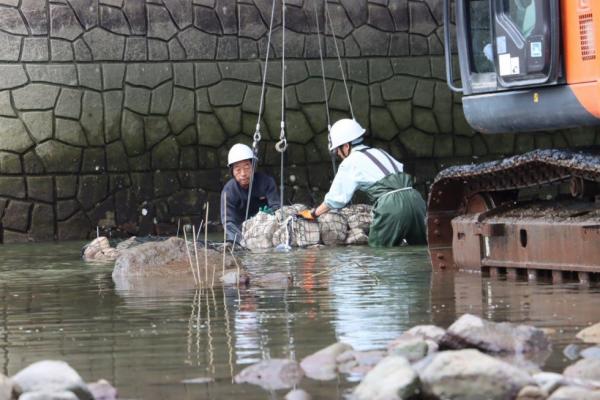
[[53, 380], [472, 359]]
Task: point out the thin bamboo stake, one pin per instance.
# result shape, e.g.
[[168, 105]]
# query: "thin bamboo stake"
[[178, 225], [187, 249], [190, 324], [237, 279], [228, 335], [211, 353], [199, 230], [206, 244], [224, 234], [196, 255]]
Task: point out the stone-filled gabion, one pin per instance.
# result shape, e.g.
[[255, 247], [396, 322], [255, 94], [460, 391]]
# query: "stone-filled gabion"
[[111, 107]]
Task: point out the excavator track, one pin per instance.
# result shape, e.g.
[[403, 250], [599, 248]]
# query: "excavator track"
[[535, 212]]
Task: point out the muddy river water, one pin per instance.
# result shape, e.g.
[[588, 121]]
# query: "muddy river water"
[[150, 343]]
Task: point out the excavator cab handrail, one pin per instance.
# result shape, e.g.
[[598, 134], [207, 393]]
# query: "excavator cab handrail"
[[448, 49]]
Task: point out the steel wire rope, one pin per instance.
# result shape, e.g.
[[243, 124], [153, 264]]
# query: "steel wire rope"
[[337, 51], [281, 145], [325, 95], [257, 136]]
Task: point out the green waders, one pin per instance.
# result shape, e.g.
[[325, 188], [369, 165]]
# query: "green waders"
[[398, 209], [398, 212]]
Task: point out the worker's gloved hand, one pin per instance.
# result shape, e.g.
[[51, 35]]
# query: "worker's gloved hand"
[[307, 214], [266, 210]]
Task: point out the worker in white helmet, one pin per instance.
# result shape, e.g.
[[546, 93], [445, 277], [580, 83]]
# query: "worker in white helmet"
[[398, 209], [234, 196]]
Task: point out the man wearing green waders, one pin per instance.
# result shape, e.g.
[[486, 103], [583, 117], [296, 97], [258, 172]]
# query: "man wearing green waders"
[[398, 209]]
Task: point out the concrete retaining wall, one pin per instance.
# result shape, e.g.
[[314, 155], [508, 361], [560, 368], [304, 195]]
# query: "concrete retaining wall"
[[110, 107]]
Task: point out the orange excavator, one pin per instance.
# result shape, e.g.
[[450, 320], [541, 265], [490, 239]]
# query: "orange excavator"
[[525, 65]]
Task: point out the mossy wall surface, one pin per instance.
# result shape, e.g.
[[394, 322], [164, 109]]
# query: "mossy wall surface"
[[109, 107]]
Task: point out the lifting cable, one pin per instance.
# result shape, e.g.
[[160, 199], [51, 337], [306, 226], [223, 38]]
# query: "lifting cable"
[[325, 94], [337, 51], [281, 145], [257, 136]]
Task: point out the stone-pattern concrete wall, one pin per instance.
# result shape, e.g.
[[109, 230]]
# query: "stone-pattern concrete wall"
[[109, 107]]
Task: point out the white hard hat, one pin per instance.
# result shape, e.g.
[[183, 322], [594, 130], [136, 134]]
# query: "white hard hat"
[[239, 152], [345, 131]]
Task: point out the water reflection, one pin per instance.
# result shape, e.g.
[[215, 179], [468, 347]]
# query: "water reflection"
[[147, 342]]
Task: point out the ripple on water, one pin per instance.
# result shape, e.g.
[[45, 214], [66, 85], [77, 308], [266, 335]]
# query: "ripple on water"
[[54, 306]]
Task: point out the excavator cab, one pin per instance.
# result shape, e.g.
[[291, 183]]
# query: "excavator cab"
[[515, 57], [525, 65]]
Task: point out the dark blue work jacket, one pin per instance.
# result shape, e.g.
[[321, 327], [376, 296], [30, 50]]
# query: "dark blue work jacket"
[[264, 193]]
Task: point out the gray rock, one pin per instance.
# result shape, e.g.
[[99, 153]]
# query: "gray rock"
[[251, 24], [297, 394], [372, 41], [52, 376], [273, 374], [35, 49], [13, 136], [16, 214], [197, 44], [5, 105], [40, 188], [587, 368], [42, 223], [571, 351], [35, 96], [137, 99], [8, 391], [35, 12], [70, 132], [359, 363], [12, 76], [90, 76], [114, 20], [167, 258], [100, 249], [10, 163], [113, 101], [104, 45], [206, 74], [322, 365], [165, 155], [39, 124], [227, 93], [472, 331], [135, 49], [157, 50], [92, 117], [64, 23], [391, 379], [210, 132], [591, 352], [398, 88], [532, 392], [466, 374], [76, 227], [161, 98], [81, 50], [87, 12], [591, 334], [411, 347], [61, 50], [10, 47], [49, 395], [69, 103], [112, 75], [59, 157], [182, 111], [574, 393], [148, 75], [421, 19], [160, 25], [183, 74], [58, 74]]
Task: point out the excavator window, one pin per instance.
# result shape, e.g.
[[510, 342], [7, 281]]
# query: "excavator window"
[[503, 44], [522, 13]]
